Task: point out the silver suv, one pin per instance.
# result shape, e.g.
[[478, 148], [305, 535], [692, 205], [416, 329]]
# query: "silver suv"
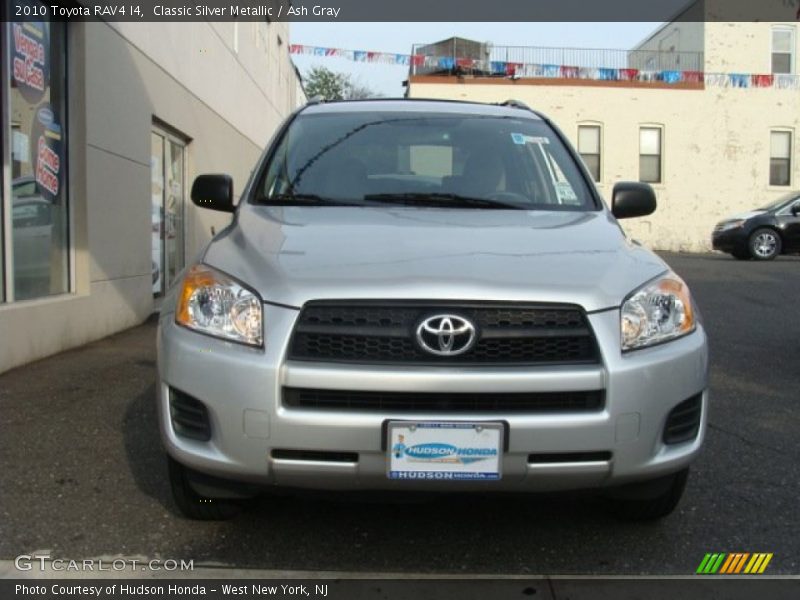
[[428, 295]]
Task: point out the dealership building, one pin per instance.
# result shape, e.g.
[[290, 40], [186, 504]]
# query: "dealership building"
[[104, 126], [708, 113]]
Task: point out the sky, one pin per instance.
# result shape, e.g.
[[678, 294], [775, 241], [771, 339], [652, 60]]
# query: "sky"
[[399, 37]]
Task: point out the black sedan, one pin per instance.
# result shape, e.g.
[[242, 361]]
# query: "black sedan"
[[764, 233]]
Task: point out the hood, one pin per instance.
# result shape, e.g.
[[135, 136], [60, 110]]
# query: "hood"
[[745, 215], [291, 255]]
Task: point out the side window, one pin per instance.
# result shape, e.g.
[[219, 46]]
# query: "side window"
[[24, 215], [32, 215], [25, 189], [780, 161], [783, 49], [44, 216], [589, 148], [650, 151]]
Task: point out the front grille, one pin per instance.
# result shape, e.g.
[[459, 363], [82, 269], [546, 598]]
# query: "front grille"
[[683, 421], [525, 402], [506, 334], [189, 416]]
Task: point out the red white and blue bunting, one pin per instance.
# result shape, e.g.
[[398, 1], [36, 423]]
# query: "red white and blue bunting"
[[549, 71]]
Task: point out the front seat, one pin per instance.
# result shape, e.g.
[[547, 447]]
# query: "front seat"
[[483, 175], [343, 179]]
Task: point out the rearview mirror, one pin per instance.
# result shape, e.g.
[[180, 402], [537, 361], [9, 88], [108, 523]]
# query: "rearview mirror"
[[214, 192], [632, 199]]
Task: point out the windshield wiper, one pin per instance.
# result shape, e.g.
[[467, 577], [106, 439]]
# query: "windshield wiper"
[[440, 200], [305, 200]]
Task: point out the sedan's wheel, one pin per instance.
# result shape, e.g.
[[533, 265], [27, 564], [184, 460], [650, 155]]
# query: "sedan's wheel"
[[765, 244], [193, 505], [648, 500]]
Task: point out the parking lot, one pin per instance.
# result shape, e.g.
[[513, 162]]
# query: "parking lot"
[[84, 474]]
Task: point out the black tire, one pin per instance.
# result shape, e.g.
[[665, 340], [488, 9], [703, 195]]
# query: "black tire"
[[194, 506], [764, 244], [638, 502], [741, 254]]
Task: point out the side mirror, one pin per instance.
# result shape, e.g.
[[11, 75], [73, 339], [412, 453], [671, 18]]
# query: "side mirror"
[[214, 192], [632, 199], [796, 209]]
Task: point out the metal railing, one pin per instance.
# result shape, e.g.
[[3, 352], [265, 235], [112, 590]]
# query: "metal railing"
[[485, 54]]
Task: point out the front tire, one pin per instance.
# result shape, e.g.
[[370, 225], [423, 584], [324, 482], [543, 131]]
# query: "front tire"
[[649, 500], [764, 244], [193, 505]]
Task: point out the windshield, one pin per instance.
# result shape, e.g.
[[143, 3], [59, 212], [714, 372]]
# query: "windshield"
[[443, 160], [777, 204]]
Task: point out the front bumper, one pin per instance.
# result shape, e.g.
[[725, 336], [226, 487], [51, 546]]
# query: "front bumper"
[[730, 240], [241, 388]]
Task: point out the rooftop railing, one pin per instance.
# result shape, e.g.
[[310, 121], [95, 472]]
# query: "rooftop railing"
[[478, 58]]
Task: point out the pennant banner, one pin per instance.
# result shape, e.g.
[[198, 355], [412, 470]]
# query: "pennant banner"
[[550, 71]]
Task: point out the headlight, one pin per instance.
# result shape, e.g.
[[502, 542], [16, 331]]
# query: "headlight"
[[659, 311], [213, 303], [724, 226]]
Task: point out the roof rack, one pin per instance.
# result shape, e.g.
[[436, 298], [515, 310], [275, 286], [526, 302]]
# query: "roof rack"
[[515, 104], [315, 100]]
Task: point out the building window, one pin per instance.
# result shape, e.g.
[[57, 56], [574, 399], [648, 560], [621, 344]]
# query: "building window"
[[589, 148], [168, 199], [650, 154], [780, 161], [35, 159], [783, 50]]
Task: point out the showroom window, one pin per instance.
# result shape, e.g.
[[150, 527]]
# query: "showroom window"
[[168, 191], [780, 158], [36, 253], [589, 148], [782, 50], [650, 154]]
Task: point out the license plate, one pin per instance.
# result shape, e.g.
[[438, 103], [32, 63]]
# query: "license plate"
[[444, 451]]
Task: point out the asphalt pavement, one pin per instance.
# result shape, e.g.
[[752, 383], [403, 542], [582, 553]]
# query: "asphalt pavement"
[[83, 474]]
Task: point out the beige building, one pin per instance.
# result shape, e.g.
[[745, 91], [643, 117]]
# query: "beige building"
[[712, 144], [104, 126]]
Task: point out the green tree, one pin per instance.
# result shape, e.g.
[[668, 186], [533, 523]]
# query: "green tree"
[[357, 91], [321, 81]]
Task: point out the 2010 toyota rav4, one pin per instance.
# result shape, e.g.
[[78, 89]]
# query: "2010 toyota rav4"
[[428, 295]]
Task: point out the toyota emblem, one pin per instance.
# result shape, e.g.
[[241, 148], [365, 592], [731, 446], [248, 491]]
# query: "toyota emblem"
[[446, 335]]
